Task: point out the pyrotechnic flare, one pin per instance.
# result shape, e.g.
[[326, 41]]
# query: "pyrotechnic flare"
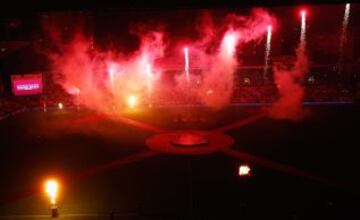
[[291, 92], [228, 46], [140, 70], [186, 56], [77, 93], [222, 64], [219, 79], [303, 30], [111, 77], [146, 66], [267, 50], [244, 170], [343, 36], [51, 188], [132, 101]]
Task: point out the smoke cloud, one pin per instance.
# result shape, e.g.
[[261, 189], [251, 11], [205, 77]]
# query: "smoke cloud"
[[219, 58], [291, 91], [103, 80]]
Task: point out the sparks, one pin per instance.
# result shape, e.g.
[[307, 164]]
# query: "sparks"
[[303, 29], [267, 49], [186, 56], [343, 35], [146, 66]]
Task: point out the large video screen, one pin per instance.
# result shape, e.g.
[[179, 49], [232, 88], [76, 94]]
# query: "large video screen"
[[27, 84]]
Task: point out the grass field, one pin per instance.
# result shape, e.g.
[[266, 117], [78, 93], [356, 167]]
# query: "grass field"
[[104, 166]]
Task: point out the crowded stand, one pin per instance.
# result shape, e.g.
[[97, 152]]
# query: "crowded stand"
[[250, 87]]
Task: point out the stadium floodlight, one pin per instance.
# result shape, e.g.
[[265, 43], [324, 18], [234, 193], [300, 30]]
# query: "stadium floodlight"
[[60, 105]]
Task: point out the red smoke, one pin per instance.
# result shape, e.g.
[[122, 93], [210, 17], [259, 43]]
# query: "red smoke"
[[104, 79], [219, 65], [291, 91], [219, 78]]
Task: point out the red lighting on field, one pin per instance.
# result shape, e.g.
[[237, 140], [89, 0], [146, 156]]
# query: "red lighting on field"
[[244, 170]]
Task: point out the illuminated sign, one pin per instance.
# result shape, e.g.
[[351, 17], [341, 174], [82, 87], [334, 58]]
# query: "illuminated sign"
[[27, 84]]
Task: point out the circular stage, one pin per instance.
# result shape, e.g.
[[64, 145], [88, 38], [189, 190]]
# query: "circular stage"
[[189, 142]]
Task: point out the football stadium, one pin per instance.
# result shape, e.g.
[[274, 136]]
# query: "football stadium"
[[179, 111]]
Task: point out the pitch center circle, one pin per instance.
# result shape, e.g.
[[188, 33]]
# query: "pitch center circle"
[[190, 142]]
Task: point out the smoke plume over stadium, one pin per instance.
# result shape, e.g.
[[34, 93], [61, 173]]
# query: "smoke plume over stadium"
[[102, 80], [291, 92], [289, 82]]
